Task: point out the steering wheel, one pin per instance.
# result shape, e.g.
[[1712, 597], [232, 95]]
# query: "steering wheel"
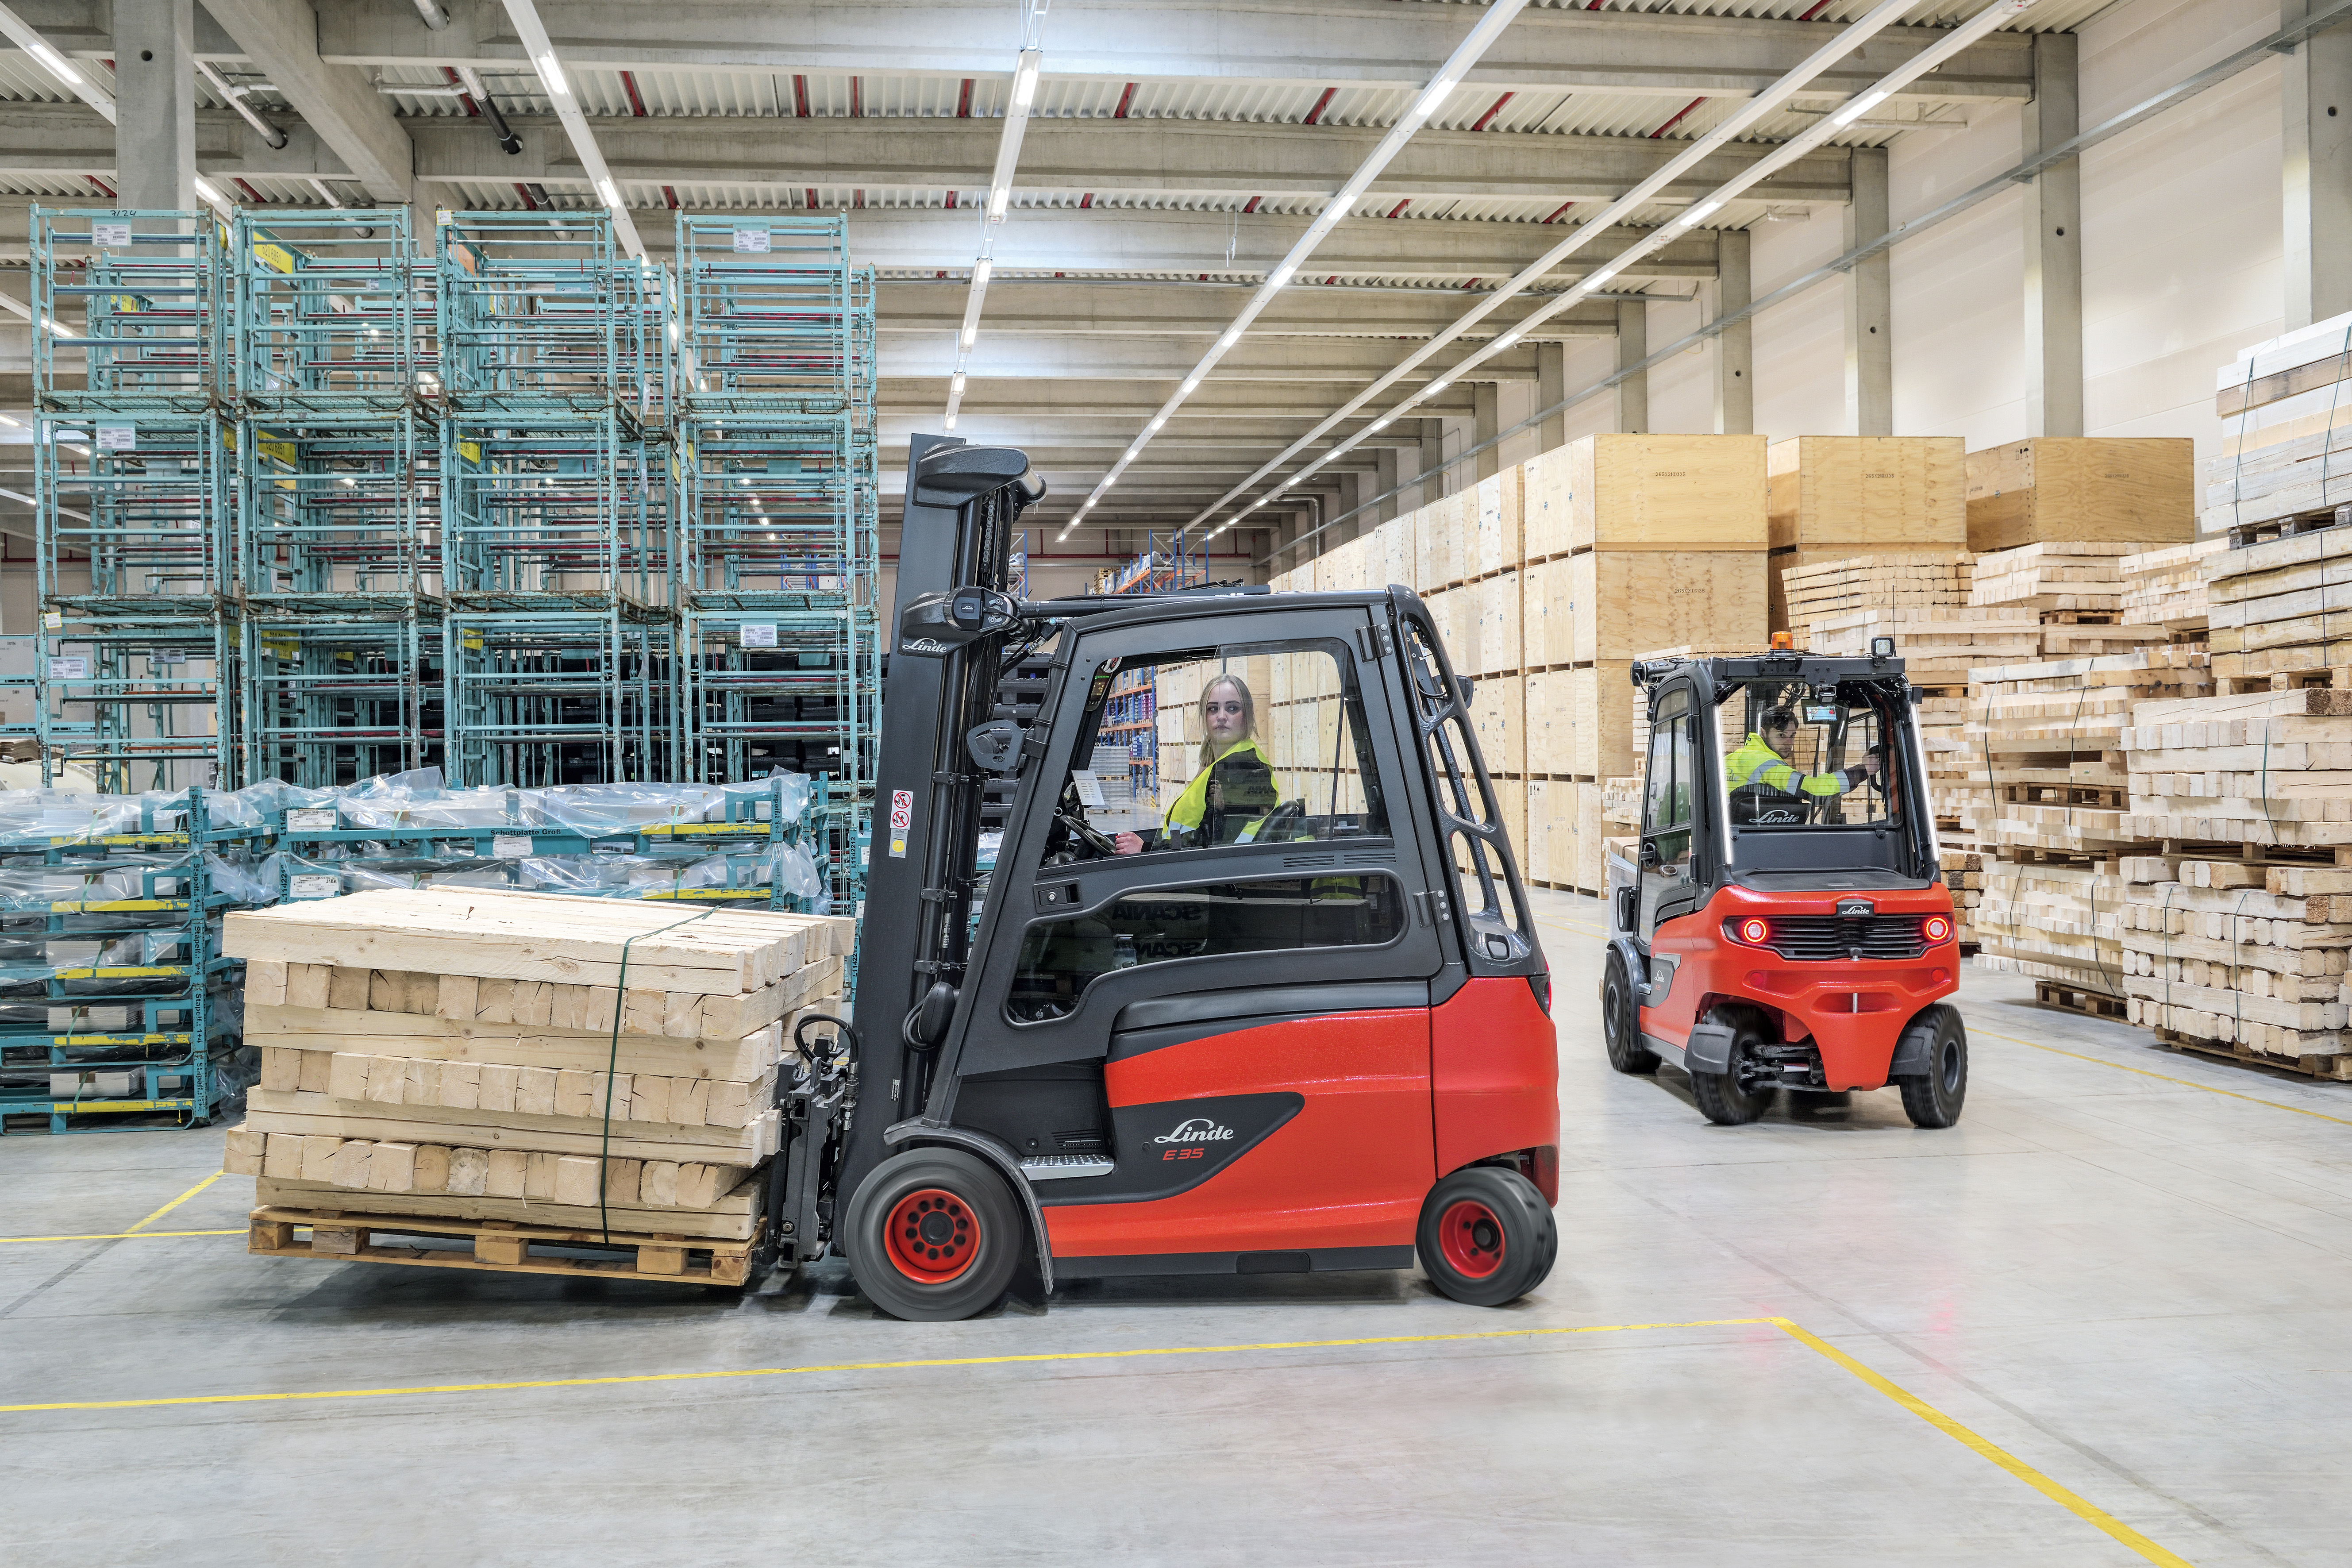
[[1282, 823], [1087, 833]]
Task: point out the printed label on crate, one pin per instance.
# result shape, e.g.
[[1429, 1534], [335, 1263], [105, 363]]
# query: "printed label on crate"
[[313, 886], [114, 232], [53, 619], [118, 438], [754, 240], [760, 634], [310, 819], [1089, 788], [167, 655], [902, 819], [75, 669], [510, 846]]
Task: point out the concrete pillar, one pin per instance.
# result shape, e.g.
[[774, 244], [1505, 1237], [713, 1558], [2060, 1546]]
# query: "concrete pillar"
[[1486, 424], [1632, 348], [1385, 477], [1350, 496], [1869, 341], [2315, 166], [1552, 386], [1433, 457], [2053, 248], [155, 103], [1734, 346]]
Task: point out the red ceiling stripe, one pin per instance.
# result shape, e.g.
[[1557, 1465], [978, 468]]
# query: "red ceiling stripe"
[[799, 97], [1253, 203], [251, 195], [963, 99], [812, 197], [1819, 6], [524, 192], [449, 74], [104, 188], [1125, 97], [856, 98], [1315, 115], [1398, 209], [1677, 120], [1563, 208], [669, 197], [629, 85], [1086, 201], [1489, 117], [951, 196]]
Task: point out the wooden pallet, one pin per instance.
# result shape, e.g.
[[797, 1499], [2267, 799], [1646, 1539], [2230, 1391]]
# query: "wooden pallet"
[[2244, 534], [500, 1246], [2332, 1069], [2078, 999]]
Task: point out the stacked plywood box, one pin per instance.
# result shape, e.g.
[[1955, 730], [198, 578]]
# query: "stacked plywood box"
[[1631, 544], [478, 1064], [1833, 497], [2083, 489]]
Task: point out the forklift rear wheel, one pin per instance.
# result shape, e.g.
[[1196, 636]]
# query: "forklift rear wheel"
[[1933, 1099], [1620, 1024], [933, 1235], [1722, 1098], [1486, 1236]]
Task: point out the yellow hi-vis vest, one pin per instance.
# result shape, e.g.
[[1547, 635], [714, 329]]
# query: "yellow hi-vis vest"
[[1756, 763], [1193, 804]]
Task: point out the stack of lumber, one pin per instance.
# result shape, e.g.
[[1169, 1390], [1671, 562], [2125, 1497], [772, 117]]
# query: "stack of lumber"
[[2282, 610], [2242, 958], [1832, 498], [473, 1057], [1824, 592], [2167, 587], [2076, 587], [2260, 769], [2084, 489], [2287, 455], [2050, 735]]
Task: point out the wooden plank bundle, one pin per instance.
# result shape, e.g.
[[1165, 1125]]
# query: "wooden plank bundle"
[[1816, 592], [2268, 769], [2055, 921], [1832, 498], [2069, 575], [2242, 956], [2083, 488], [2282, 609], [2167, 587], [481, 1056]]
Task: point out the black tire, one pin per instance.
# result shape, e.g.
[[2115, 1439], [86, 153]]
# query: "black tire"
[[1933, 1098], [1621, 1019], [934, 1235], [1486, 1236], [1721, 1098]]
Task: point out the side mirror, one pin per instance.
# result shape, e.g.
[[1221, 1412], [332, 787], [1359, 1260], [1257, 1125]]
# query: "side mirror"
[[1650, 861], [1462, 689], [1629, 906]]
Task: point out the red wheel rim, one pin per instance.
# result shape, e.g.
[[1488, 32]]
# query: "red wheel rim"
[[932, 1236], [1470, 1238]]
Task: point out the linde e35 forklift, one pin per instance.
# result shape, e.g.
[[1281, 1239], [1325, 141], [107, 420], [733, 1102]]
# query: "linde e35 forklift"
[[1308, 1034], [1773, 937]]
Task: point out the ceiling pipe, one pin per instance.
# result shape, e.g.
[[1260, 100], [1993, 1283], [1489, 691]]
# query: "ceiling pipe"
[[432, 15], [508, 140], [234, 98]]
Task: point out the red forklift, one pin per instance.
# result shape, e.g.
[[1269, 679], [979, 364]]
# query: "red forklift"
[[1786, 926], [1287, 1015]]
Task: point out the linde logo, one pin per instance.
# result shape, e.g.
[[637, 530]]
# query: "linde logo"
[[1200, 1130], [923, 645]]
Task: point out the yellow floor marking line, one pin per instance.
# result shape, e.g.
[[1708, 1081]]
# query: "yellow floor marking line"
[[2167, 1078], [1917, 1406], [1997, 1455], [118, 1235], [175, 1203]]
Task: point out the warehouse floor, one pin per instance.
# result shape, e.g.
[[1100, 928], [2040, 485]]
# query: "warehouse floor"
[[2113, 1300]]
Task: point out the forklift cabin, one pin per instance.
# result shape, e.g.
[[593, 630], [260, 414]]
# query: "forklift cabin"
[[1310, 1033], [1786, 924]]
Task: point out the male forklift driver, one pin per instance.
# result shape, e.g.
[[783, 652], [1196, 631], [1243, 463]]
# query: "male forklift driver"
[[1762, 767], [1236, 786]]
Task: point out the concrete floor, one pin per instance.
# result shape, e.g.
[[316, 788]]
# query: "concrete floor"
[[2133, 1286]]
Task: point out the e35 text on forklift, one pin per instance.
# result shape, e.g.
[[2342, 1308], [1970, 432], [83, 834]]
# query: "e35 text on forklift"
[[1787, 925], [1302, 1025]]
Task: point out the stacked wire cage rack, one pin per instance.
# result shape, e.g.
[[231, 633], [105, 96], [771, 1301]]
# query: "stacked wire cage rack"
[[778, 504]]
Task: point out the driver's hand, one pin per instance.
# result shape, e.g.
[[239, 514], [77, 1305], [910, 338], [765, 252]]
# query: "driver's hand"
[[1870, 765], [1128, 843]]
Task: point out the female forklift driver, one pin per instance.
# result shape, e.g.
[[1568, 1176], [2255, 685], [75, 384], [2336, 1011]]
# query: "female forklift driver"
[[1236, 786]]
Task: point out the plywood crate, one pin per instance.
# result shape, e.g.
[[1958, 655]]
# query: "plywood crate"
[[1498, 715], [1665, 492], [1393, 552], [1496, 503], [1619, 604], [1546, 494], [2082, 489], [1452, 615], [1498, 608], [1907, 491], [1442, 549]]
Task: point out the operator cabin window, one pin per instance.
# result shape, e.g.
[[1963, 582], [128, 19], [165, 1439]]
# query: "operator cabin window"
[[1257, 749], [1255, 743], [1667, 784]]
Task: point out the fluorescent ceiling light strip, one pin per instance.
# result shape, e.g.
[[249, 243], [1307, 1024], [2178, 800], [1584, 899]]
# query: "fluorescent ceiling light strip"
[[1026, 71], [1927, 60], [51, 59], [1498, 16], [1764, 104], [532, 33]]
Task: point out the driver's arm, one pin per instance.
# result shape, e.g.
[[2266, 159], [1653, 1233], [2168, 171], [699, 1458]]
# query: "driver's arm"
[[1789, 781]]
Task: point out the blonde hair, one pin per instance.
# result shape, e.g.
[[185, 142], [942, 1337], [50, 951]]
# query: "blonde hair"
[[1209, 753]]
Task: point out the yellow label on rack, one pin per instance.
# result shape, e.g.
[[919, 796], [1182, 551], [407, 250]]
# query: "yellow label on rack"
[[470, 451], [276, 257]]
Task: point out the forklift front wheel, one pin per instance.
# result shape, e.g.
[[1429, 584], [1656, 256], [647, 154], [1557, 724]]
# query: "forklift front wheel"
[[1486, 1236], [1933, 1099], [933, 1235], [1620, 1025]]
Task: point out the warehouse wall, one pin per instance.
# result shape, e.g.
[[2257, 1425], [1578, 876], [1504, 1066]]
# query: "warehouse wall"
[[2181, 261]]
